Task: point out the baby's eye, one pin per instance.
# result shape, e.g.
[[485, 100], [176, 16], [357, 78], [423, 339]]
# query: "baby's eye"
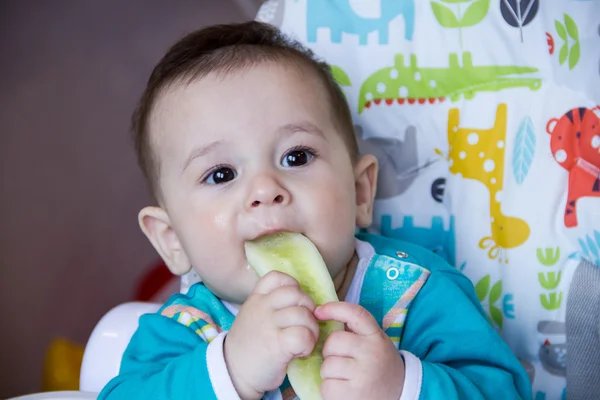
[[297, 157], [220, 175]]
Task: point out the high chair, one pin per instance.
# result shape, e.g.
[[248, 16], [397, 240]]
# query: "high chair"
[[107, 343], [440, 93]]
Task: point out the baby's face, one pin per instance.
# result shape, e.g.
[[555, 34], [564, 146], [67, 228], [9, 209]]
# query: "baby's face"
[[247, 154]]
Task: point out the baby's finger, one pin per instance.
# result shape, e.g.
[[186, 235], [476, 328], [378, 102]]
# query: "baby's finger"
[[342, 344], [296, 316], [297, 341], [333, 389], [357, 319], [289, 296], [335, 367], [274, 280]]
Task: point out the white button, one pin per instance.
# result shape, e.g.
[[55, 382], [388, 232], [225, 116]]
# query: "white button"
[[402, 254]]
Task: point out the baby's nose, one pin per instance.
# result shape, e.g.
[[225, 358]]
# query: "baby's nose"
[[277, 199], [267, 191]]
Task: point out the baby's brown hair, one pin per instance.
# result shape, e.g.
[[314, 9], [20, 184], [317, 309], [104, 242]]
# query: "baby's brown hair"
[[224, 49]]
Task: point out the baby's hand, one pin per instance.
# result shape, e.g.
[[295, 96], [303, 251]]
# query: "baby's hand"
[[275, 324], [361, 363]]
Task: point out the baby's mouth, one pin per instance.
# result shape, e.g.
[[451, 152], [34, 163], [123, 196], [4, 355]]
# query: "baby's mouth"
[[271, 231]]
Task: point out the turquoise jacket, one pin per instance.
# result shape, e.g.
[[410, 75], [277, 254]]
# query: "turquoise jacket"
[[426, 307]]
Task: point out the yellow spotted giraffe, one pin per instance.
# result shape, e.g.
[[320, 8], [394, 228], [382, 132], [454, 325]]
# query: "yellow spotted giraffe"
[[479, 154]]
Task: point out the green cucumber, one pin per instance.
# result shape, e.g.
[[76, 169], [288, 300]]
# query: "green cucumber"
[[294, 254]]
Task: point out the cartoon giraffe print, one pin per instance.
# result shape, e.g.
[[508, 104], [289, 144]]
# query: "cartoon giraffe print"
[[479, 154]]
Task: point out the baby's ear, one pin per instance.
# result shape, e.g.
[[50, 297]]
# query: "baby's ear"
[[156, 225], [365, 177]]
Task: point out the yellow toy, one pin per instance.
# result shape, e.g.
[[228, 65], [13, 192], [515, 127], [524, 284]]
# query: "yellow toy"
[[62, 365]]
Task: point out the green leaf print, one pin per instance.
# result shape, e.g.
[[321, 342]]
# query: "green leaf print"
[[551, 301], [571, 28], [548, 256], [574, 55], [444, 15], [560, 30], [549, 280], [564, 53], [482, 287], [340, 76], [496, 292], [496, 315], [455, 16], [475, 13]]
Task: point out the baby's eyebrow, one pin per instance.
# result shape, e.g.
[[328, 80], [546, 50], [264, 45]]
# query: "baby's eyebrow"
[[302, 127], [199, 152], [202, 150]]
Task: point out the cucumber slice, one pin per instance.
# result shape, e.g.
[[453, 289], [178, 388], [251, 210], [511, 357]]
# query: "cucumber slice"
[[295, 255]]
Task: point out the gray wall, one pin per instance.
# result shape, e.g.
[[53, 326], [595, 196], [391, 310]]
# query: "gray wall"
[[70, 189]]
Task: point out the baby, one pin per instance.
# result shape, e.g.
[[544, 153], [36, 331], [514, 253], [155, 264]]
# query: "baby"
[[241, 132]]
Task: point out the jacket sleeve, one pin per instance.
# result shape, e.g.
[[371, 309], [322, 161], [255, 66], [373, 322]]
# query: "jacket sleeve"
[[164, 360], [461, 355]]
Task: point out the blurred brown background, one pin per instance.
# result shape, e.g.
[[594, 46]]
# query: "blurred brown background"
[[70, 188]]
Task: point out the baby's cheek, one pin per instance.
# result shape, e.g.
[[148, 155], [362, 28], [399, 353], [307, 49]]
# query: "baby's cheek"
[[212, 237], [221, 222], [336, 206], [337, 219]]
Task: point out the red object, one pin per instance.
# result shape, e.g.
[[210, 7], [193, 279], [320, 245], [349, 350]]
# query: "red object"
[[550, 41], [157, 277], [574, 141]]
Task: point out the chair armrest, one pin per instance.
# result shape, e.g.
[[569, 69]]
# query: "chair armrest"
[[107, 343]]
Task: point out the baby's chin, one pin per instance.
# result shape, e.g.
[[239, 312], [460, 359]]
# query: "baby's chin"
[[235, 299], [234, 294]]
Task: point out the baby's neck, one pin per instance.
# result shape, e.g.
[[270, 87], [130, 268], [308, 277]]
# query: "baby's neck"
[[344, 277]]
